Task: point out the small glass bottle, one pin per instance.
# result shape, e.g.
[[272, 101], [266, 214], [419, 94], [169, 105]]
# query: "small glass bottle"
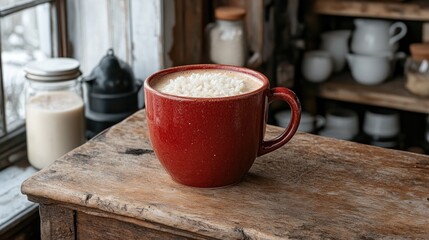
[[227, 38], [417, 76], [55, 120]]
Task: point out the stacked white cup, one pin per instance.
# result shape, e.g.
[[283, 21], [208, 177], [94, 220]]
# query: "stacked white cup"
[[374, 44], [341, 124], [318, 65]]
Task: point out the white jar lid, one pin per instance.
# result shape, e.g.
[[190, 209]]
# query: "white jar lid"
[[53, 69]]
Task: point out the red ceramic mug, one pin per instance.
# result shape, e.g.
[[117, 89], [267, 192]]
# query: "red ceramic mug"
[[213, 142]]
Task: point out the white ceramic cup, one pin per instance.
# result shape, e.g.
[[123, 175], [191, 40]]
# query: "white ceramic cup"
[[370, 70], [381, 123], [343, 120], [341, 123], [337, 44], [317, 66], [308, 122]]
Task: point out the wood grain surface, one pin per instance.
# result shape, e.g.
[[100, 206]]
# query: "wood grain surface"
[[187, 32], [96, 227], [391, 94], [407, 10], [313, 187], [56, 223]]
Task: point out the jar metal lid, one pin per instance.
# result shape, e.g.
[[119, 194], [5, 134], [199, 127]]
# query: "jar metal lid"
[[53, 69]]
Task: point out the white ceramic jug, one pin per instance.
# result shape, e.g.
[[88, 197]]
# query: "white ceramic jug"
[[375, 36]]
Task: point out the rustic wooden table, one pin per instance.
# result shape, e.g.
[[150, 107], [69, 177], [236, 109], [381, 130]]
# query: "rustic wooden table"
[[113, 187]]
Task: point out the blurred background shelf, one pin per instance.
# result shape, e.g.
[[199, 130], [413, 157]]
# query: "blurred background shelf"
[[417, 10], [391, 94]]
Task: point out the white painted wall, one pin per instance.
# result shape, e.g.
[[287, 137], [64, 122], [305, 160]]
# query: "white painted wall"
[[133, 28], [147, 36]]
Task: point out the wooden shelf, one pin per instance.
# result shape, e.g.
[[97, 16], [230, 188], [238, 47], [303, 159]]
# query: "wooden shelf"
[[417, 10], [391, 94]]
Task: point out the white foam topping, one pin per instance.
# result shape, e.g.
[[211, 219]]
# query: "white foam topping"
[[205, 85]]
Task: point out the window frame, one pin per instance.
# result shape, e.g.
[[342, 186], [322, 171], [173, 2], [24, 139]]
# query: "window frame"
[[12, 143]]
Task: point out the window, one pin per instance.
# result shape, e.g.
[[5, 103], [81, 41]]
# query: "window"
[[29, 30]]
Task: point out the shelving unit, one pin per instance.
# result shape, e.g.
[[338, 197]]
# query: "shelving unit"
[[391, 94], [417, 10]]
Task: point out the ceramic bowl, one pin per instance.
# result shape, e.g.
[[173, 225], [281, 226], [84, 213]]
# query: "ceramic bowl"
[[370, 70]]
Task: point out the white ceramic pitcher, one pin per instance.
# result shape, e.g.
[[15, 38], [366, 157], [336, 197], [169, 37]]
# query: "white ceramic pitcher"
[[375, 36]]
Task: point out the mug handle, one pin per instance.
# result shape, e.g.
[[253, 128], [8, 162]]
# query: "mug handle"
[[284, 94], [403, 31]]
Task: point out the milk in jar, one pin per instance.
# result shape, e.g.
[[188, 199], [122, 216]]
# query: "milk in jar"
[[55, 120]]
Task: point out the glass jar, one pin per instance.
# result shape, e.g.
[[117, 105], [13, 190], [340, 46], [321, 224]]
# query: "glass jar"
[[55, 120], [417, 76], [227, 38]]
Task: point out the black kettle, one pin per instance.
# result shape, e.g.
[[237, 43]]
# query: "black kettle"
[[111, 93]]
